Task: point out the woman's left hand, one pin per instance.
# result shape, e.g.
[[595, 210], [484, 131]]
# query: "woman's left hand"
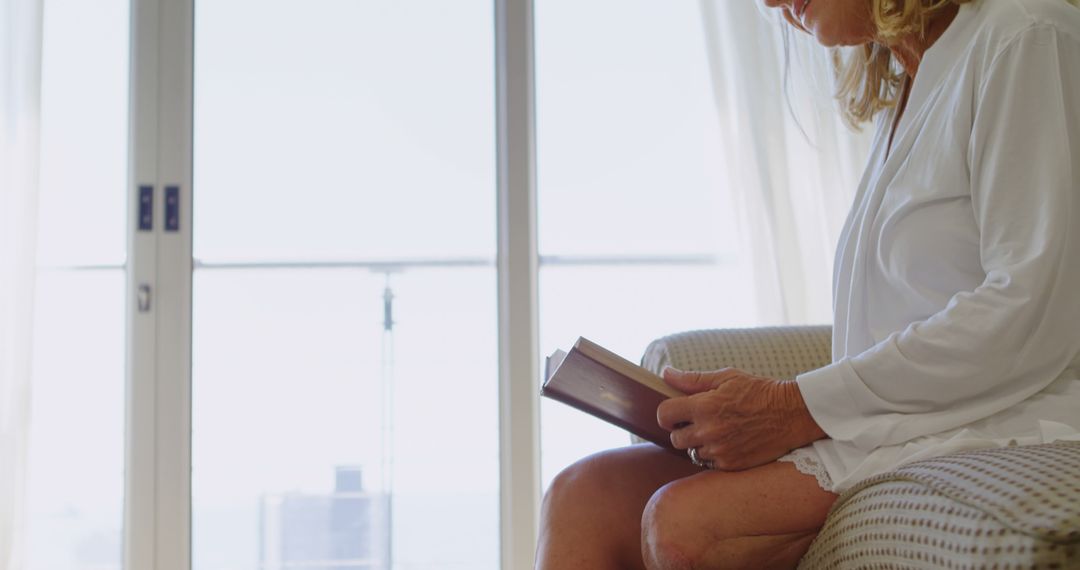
[[736, 420]]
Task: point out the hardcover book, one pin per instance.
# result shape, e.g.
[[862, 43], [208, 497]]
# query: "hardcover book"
[[607, 386]]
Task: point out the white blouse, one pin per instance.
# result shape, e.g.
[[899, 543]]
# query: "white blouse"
[[957, 277]]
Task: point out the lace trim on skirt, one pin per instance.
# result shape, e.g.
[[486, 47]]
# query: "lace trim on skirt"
[[808, 462]]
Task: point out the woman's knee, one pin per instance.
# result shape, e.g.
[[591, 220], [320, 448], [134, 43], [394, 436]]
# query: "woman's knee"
[[626, 475], [669, 537], [570, 481], [690, 523], [584, 483], [698, 523]]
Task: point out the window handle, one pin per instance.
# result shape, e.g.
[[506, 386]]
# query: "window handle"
[[144, 298]]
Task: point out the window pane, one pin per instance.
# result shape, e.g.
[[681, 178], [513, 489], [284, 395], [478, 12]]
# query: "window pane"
[[446, 420], [285, 392], [84, 120], [75, 481], [291, 434], [624, 309], [344, 129], [75, 478], [628, 142], [630, 164]]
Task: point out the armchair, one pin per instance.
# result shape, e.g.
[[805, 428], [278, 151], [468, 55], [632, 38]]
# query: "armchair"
[[1011, 507]]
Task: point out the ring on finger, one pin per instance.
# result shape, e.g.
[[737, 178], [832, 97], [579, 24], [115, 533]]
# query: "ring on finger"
[[693, 452]]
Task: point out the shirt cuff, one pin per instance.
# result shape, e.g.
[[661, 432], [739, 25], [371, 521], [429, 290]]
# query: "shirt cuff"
[[830, 402]]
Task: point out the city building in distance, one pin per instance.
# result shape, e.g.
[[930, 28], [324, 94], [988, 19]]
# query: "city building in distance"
[[341, 530]]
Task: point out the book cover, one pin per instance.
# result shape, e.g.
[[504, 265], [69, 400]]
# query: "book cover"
[[603, 384]]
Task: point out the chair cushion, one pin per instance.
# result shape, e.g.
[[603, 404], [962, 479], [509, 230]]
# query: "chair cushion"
[[1011, 507]]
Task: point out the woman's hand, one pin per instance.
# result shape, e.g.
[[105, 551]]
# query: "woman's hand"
[[735, 420]]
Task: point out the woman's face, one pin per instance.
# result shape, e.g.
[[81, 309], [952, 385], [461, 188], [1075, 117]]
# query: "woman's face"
[[832, 22]]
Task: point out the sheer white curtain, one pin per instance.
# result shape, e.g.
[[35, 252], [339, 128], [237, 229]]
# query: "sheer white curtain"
[[20, 81], [792, 180]]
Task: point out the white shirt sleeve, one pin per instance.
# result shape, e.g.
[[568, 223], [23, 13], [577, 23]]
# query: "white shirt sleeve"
[[993, 347]]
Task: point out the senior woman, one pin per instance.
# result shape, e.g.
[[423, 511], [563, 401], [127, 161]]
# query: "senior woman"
[[956, 300]]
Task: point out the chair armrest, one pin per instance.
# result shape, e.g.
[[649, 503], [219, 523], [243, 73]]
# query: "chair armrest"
[[1007, 507], [773, 352]]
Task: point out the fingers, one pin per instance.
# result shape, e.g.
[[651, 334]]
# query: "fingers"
[[674, 413], [688, 381], [695, 382], [687, 437]]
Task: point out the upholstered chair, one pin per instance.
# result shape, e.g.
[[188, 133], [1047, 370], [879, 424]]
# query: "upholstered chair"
[[1010, 507]]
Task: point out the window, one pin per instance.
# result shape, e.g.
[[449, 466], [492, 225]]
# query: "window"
[[76, 463], [345, 377], [344, 337], [635, 230]]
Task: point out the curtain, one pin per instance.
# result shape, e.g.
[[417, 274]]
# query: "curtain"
[[793, 166], [20, 85]]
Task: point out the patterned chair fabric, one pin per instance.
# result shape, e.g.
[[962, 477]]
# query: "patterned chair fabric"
[[774, 352], [1012, 507]]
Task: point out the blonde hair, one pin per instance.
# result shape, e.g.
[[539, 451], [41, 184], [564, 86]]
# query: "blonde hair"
[[868, 77]]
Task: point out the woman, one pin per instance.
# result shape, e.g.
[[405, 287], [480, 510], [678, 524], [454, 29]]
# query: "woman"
[[956, 299]]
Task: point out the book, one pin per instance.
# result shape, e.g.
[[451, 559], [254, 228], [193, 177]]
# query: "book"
[[603, 384]]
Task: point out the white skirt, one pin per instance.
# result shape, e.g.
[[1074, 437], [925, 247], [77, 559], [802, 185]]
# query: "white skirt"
[[1050, 415]]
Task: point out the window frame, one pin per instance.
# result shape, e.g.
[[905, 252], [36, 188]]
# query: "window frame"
[[159, 272], [518, 276], [157, 474]]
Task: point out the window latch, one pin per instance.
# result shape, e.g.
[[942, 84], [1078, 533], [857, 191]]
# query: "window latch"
[[144, 298]]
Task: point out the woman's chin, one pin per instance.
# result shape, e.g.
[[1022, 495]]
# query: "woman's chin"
[[830, 39], [834, 34]]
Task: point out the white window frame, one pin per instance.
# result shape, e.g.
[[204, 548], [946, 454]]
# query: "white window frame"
[[157, 480], [518, 261], [157, 511]]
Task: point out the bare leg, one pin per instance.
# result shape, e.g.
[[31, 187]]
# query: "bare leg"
[[761, 518], [591, 515]]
